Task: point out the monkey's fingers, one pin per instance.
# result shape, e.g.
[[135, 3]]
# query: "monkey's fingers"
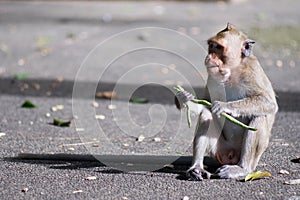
[[182, 97]]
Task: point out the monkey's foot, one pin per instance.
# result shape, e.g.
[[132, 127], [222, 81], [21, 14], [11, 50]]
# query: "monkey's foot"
[[231, 171], [197, 174]]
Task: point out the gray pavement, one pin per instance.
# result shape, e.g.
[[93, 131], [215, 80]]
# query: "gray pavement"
[[48, 41]]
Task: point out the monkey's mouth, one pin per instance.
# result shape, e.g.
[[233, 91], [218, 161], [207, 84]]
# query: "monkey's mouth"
[[212, 66]]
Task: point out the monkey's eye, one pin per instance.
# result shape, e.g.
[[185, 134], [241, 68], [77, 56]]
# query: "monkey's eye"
[[214, 45]]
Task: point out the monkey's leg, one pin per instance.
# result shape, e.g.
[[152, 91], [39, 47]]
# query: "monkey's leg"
[[254, 144], [263, 138], [201, 145]]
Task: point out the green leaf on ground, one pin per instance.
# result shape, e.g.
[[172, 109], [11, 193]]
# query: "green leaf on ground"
[[21, 76], [61, 122], [257, 175], [70, 35], [42, 41], [138, 100], [28, 104]]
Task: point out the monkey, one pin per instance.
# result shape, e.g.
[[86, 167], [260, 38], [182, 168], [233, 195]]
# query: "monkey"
[[236, 85]]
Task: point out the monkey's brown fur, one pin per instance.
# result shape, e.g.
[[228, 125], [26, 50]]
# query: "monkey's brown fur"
[[238, 86]]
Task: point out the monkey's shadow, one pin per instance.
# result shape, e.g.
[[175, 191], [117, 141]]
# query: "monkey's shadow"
[[77, 162]]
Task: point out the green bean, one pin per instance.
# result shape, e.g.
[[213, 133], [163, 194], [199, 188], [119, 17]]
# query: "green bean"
[[208, 104]]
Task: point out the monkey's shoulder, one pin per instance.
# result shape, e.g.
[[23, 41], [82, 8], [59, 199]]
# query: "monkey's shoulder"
[[253, 74]]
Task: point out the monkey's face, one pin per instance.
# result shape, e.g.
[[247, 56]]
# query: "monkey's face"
[[216, 60], [226, 50]]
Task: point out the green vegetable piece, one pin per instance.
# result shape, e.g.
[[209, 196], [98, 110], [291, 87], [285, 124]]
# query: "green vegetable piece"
[[203, 102], [138, 100], [237, 122], [21, 76], [188, 113], [28, 104], [60, 122], [208, 104]]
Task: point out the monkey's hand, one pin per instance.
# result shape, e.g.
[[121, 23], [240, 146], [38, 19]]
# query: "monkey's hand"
[[218, 107], [181, 98]]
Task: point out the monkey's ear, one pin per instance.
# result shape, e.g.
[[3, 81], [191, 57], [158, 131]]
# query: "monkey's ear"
[[247, 47]]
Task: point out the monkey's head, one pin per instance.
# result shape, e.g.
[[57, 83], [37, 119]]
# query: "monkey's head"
[[226, 51]]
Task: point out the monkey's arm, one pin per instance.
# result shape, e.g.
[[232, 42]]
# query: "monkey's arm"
[[257, 105], [259, 98], [185, 99]]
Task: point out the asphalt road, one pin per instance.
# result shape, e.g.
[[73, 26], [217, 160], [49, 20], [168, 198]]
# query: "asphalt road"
[[141, 49]]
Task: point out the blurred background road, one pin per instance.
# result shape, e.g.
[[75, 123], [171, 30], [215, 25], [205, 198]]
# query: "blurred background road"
[[46, 48]]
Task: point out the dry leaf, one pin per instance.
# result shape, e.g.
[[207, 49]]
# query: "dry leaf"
[[257, 175], [21, 62], [185, 198], [57, 107], [279, 63], [53, 85], [164, 70], [140, 138], [77, 191], [59, 79], [44, 51], [71, 149], [283, 171], [89, 178], [292, 182], [111, 107], [106, 95], [36, 86], [169, 166], [99, 117], [95, 104]]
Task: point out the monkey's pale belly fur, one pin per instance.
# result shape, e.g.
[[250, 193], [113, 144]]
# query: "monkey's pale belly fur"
[[229, 145]]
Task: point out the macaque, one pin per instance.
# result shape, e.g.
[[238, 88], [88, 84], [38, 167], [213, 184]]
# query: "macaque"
[[236, 85]]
